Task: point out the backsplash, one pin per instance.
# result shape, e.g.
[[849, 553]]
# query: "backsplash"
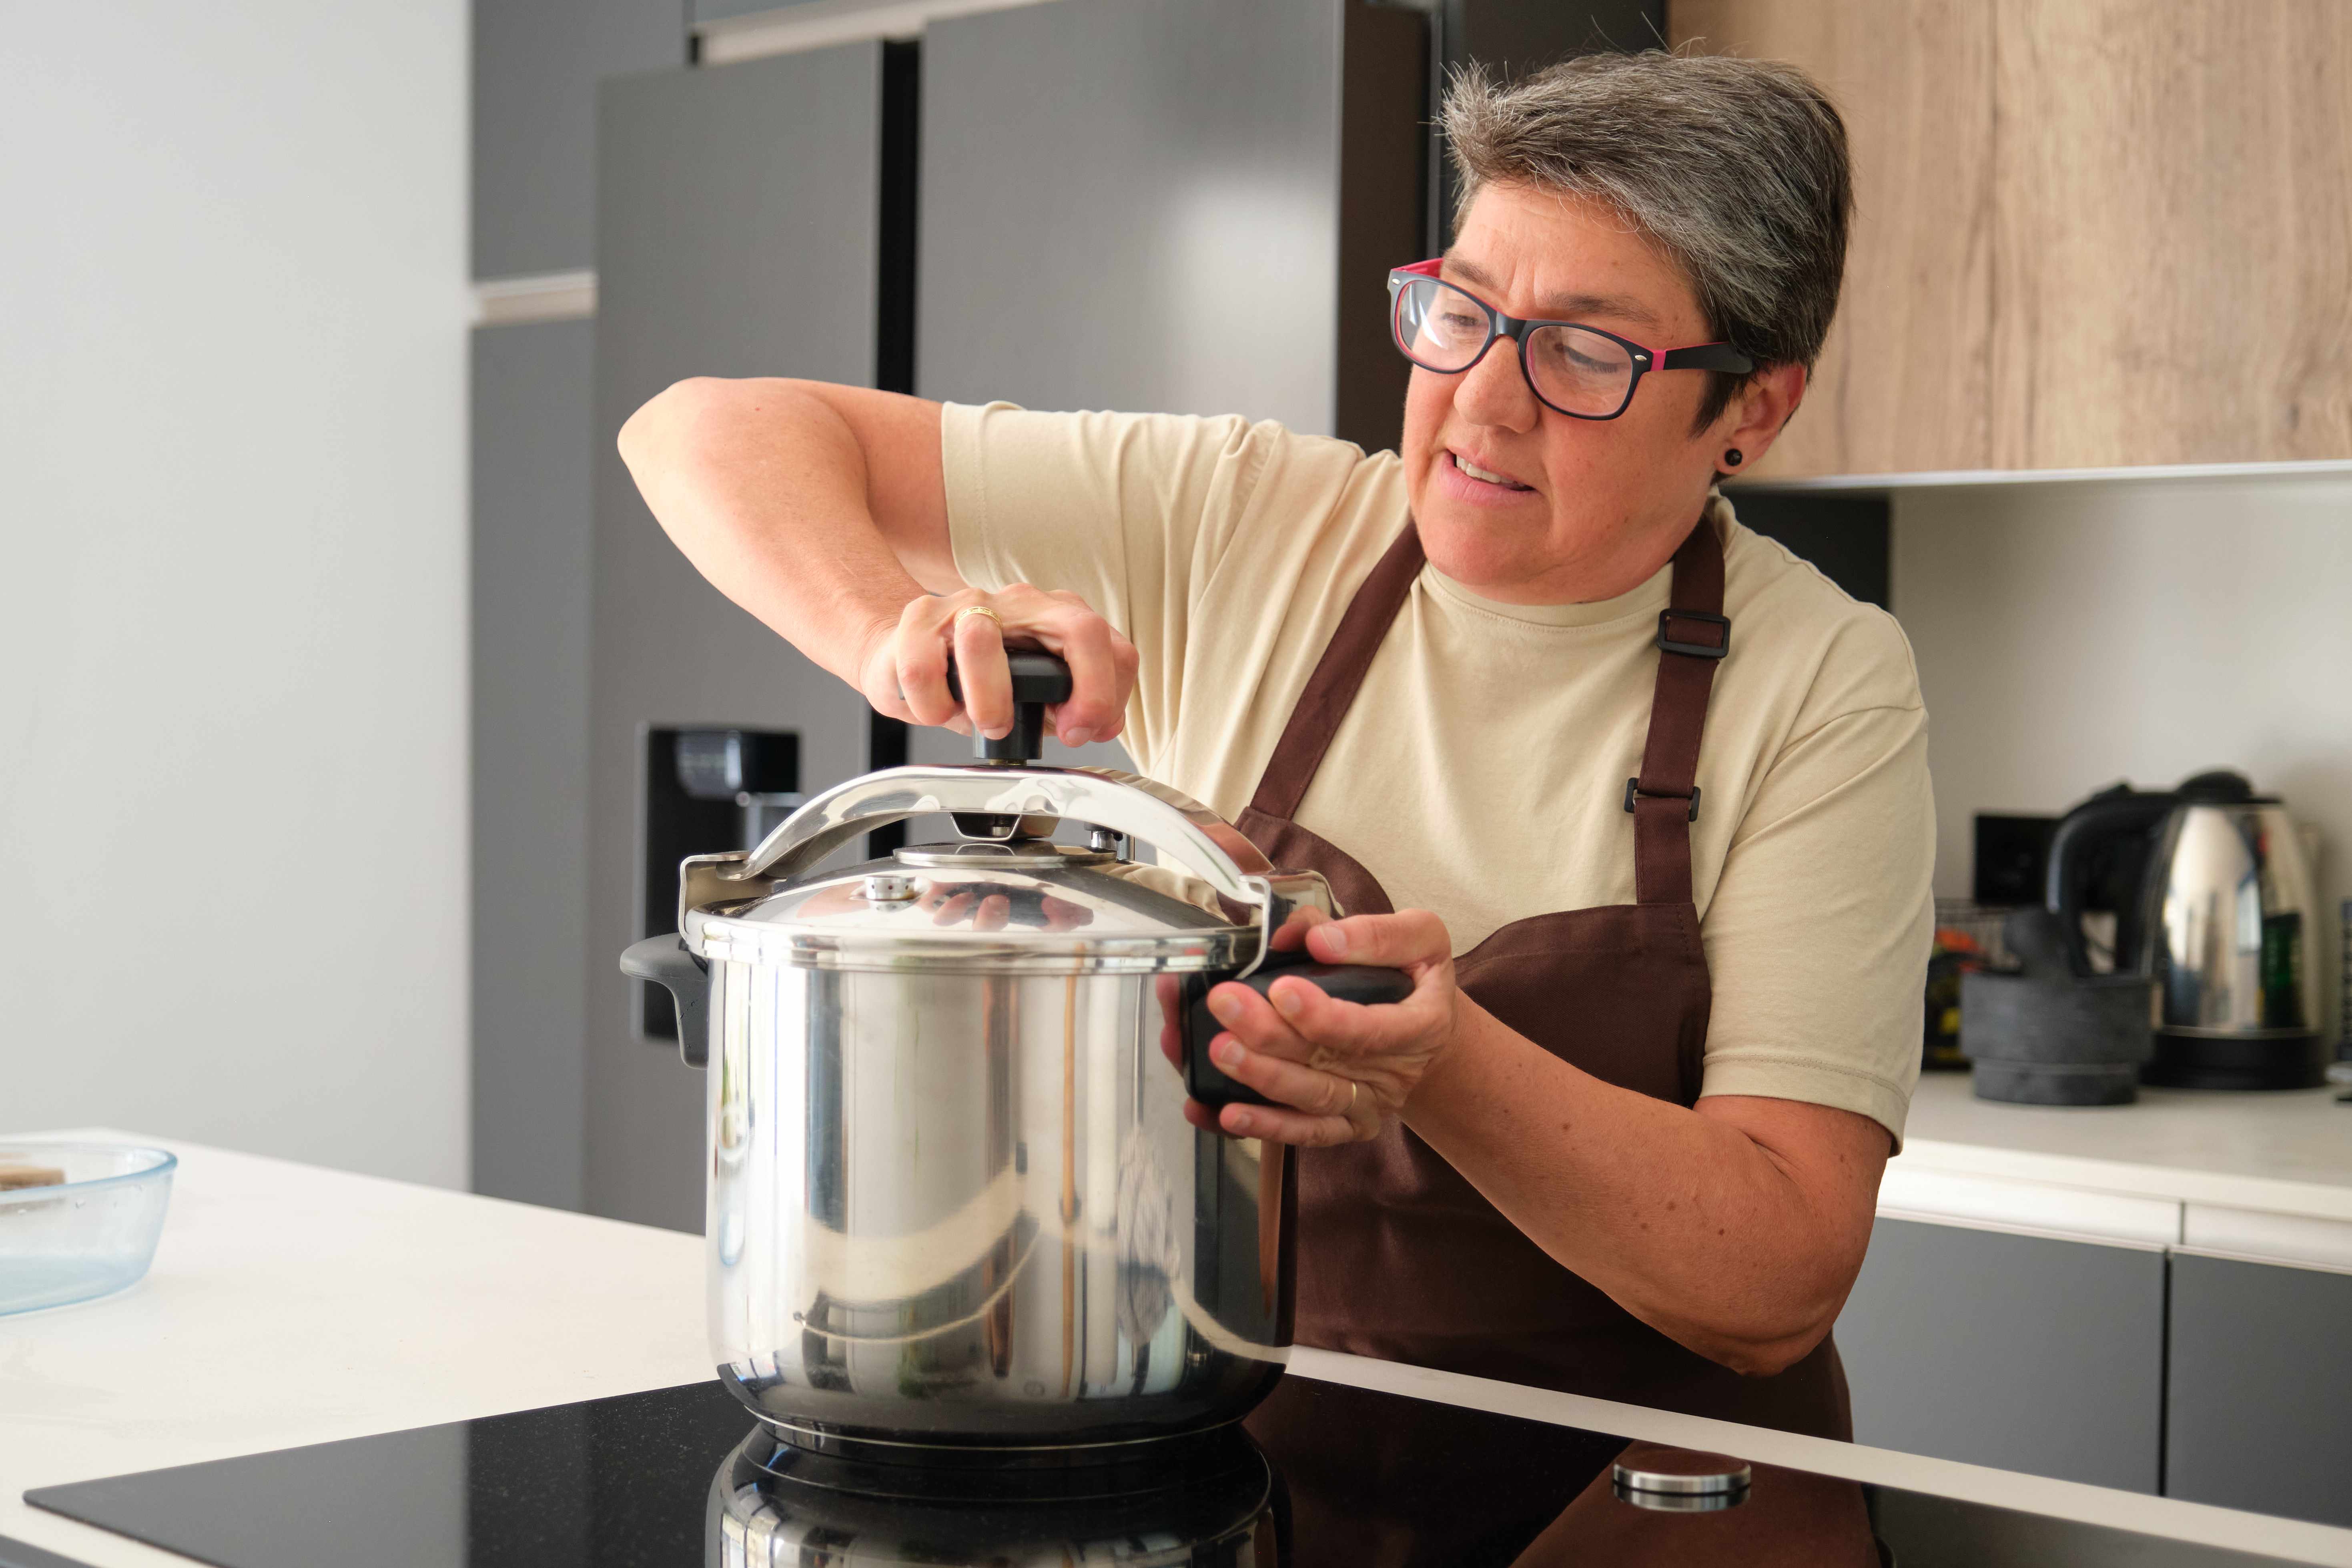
[[2070, 634]]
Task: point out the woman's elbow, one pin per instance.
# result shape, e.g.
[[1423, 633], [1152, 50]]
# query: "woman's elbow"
[[672, 414], [705, 410], [1765, 1342], [1770, 1357]]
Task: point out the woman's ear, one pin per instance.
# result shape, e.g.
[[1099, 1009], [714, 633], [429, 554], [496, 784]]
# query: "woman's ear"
[[1753, 422]]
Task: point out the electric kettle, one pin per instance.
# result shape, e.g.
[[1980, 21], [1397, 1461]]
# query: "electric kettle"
[[2215, 901], [954, 1207]]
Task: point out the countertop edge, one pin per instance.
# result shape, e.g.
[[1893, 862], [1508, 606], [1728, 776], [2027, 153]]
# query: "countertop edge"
[[2166, 1518], [2264, 1176], [2269, 1194]]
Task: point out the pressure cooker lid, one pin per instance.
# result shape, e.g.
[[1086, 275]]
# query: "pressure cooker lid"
[[1023, 904]]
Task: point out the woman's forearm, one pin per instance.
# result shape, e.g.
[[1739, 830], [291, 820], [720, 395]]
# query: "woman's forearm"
[[765, 487], [1685, 1219]]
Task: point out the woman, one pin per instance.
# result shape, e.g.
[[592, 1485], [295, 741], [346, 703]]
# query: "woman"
[[1640, 800]]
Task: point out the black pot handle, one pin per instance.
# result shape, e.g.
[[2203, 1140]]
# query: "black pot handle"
[[668, 964], [1348, 982]]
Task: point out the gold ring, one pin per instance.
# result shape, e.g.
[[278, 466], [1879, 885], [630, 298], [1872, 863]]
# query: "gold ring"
[[976, 610], [1354, 1090]]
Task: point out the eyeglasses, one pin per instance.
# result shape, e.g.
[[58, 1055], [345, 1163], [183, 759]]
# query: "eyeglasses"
[[1573, 369]]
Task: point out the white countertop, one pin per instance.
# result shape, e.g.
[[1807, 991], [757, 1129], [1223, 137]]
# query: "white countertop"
[[2265, 1176], [292, 1305]]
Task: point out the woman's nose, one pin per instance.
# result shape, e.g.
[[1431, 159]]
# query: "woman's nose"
[[1495, 391]]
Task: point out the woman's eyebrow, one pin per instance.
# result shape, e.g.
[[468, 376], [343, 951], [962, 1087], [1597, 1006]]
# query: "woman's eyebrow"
[[1566, 307]]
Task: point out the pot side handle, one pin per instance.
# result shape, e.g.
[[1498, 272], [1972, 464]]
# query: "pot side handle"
[[665, 960], [1348, 982]]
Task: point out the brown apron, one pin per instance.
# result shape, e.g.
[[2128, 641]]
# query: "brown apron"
[[1399, 1256]]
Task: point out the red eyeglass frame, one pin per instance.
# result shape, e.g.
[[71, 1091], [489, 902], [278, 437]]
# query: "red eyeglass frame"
[[1726, 356]]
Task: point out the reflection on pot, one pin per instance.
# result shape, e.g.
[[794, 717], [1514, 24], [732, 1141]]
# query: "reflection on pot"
[[1213, 1503]]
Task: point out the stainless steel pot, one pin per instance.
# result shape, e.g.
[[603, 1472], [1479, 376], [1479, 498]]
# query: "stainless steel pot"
[[953, 1199]]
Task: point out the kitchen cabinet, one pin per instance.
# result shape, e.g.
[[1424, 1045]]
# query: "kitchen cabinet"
[[738, 216], [2259, 1413], [2088, 233], [2020, 1351], [536, 66], [529, 568]]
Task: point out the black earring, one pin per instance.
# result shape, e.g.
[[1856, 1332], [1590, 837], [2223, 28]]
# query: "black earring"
[[1731, 454]]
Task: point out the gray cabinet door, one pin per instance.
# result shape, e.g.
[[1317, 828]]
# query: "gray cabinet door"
[[536, 66], [2017, 1351], [531, 524], [737, 212], [1138, 204], [2259, 1412]]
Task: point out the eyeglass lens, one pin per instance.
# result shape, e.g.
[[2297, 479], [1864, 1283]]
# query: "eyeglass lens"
[[1439, 328]]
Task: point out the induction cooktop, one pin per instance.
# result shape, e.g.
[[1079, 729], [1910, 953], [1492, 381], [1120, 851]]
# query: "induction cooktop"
[[1324, 1476]]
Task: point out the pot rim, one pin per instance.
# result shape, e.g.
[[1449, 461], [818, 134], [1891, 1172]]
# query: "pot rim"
[[753, 941]]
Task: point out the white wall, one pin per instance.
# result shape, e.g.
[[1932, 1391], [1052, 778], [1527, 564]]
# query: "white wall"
[[2070, 634], [232, 594]]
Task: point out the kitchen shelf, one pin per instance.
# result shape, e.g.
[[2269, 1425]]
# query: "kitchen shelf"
[[1956, 478]]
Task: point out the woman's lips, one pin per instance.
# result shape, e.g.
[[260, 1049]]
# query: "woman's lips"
[[1459, 484]]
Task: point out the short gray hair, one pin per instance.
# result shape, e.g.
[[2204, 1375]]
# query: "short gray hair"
[[1735, 169]]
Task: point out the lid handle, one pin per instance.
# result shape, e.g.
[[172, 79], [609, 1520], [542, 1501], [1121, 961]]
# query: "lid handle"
[[1039, 680]]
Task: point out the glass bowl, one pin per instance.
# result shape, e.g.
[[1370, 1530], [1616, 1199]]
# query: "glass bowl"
[[93, 1234]]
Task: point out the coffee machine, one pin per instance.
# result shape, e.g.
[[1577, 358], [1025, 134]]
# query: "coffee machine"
[[2215, 901]]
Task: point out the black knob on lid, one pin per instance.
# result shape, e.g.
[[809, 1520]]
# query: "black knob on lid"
[[1039, 680]]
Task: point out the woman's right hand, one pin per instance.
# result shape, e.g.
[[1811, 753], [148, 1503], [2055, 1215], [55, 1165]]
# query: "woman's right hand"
[[904, 670]]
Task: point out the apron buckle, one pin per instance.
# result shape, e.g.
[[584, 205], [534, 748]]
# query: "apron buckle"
[[1634, 792], [1669, 643]]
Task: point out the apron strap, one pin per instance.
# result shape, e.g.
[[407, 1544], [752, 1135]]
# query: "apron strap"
[[1331, 689], [1693, 639]]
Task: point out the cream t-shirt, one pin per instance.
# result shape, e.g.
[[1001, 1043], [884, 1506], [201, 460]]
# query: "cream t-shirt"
[[1481, 773]]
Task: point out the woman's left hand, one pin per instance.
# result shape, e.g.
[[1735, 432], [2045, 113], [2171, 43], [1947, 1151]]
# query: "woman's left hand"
[[1336, 1070]]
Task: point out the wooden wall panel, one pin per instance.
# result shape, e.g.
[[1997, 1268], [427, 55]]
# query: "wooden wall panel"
[[2172, 275], [1904, 380], [2089, 233]]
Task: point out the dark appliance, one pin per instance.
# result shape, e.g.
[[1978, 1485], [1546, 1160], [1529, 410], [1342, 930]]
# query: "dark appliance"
[[704, 791], [2011, 863]]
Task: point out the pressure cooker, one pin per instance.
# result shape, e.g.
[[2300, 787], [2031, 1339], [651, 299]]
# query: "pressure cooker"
[[954, 1203]]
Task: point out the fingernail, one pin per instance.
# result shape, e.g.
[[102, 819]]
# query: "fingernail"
[[1287, 1000], [1243, 1122], [1077, 737], [1334, 941], [1227, 1052], [1224, 1007]]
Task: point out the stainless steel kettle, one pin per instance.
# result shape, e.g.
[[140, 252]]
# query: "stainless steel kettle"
[[2215, 901], [953, 1200]]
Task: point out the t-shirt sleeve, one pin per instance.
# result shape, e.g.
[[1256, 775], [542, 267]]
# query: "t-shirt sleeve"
[[1130, 511], [1817, 937]]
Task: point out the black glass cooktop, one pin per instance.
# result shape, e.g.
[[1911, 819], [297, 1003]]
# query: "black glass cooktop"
[[1329, 1476]]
